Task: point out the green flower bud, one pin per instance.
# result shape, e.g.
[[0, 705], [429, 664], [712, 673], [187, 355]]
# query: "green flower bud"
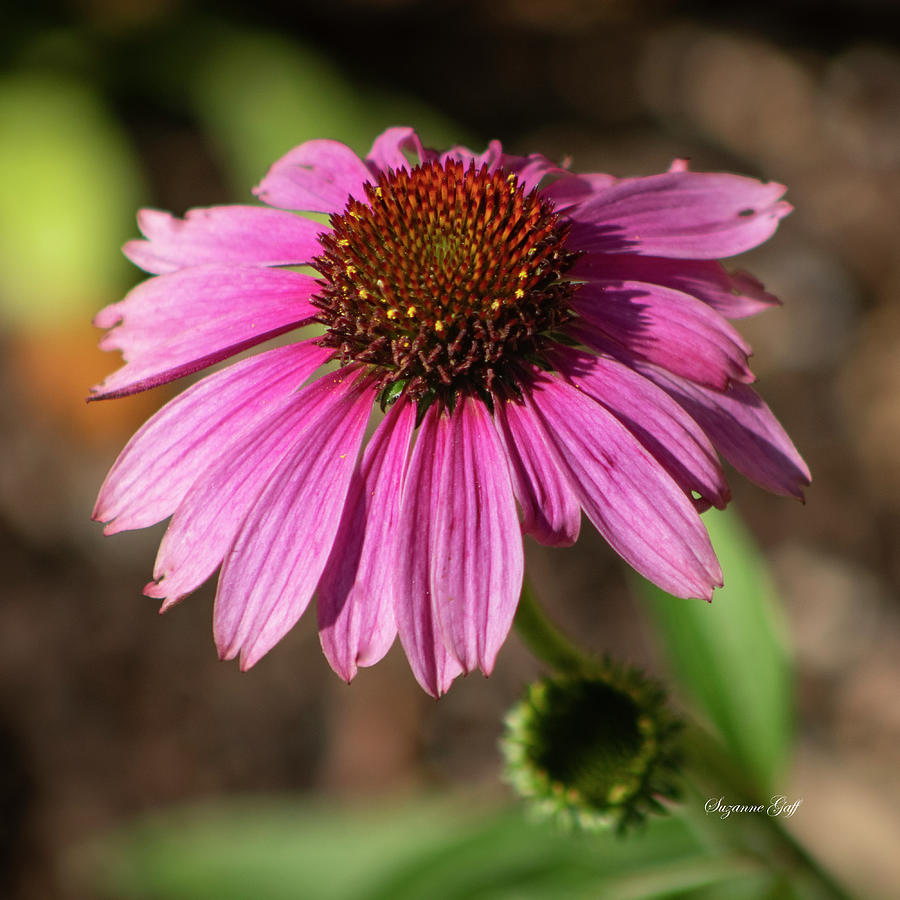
[[594, 751]]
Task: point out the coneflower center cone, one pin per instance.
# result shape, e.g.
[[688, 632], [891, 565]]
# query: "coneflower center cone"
[[446, 281]]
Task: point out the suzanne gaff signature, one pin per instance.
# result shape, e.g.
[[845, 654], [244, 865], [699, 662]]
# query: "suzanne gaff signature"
[[777, 806]]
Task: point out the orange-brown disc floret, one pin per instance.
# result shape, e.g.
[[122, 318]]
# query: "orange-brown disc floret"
[[446, 281]]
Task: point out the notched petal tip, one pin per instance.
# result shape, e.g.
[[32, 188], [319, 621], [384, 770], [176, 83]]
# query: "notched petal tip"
[[160, 589], [782, 208], [108, 317]]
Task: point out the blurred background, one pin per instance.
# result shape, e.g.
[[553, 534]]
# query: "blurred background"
[[109, 713]]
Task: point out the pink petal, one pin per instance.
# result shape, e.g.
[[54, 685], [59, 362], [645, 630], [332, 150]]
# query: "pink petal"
[[175, 324], [571, 189], [667, 327], [492, 157], [432, 664], [318, 176], [387, 151], [550, 511], [223, 234], [212, 511], [744, 430], [272, 567], [531, 170], [673, 438], [733, 295], [684, 214], [356, 591], [475, 544], [633, 503], [190, 433]]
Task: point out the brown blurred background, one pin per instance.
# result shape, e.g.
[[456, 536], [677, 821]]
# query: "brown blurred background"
[[107, 711]]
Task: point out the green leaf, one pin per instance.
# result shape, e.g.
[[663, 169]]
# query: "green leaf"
[[729, 655], [277, 851]]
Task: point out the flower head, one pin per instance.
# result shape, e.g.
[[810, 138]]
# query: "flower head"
[[536, 337]]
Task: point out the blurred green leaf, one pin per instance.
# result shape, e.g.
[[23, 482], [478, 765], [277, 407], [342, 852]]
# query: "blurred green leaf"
[[259, 95], [68, 191], [729, 655], [431, 850]]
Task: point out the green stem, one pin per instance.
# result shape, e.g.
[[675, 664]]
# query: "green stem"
[[710, 768], [544, 639]]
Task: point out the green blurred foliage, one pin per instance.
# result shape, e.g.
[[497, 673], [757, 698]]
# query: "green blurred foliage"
[[258, 95], [69, 185], [430, 850]]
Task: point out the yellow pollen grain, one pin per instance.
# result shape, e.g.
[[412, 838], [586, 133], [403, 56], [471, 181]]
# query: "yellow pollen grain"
[[351, 270], [438, 325], [343, 242], [520, 294], [411, 312], [495, 305], [392, 313], [378, 192], [523, 273], [363, 294]]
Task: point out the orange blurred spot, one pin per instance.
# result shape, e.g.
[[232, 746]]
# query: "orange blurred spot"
[[54, 371]]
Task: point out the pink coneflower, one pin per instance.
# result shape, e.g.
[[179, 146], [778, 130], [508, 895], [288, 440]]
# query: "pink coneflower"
[[537, 337]]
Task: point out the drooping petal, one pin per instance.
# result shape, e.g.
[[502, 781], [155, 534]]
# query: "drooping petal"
[[431, 662], [190, 433], [318, 176], [682, 214], [550, 511], [223, 234], [273, 565], [175, 324], [667, 327], [733, 295], [673, 438], [632, 501], [744, 430], [474, 542], [356, 592], [387, 150], [211, 512]]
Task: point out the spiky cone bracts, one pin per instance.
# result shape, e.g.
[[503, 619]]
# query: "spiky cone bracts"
[[594, 751]]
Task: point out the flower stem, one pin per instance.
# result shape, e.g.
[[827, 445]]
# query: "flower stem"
[[544, 639]]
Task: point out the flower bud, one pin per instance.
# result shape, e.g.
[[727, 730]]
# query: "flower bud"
[[597, 750]]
